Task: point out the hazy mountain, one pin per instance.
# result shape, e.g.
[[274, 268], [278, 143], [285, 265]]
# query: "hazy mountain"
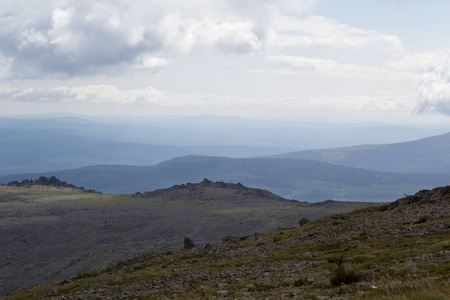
[[42, 153], [51, 143], [51, 232], [427, 155], [290, 178]]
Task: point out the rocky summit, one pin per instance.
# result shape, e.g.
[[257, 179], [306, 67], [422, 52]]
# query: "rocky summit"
[[399, 250]]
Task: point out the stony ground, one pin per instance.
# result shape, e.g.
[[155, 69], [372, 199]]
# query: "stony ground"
[[395, 251], [50, 232]]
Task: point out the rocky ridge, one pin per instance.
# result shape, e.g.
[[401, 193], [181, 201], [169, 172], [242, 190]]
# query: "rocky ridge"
[[204, 188], [47, 181]]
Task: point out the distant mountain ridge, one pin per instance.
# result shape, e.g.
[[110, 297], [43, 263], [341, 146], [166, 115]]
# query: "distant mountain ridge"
[[427, 155], [43, 143], [291, 178]]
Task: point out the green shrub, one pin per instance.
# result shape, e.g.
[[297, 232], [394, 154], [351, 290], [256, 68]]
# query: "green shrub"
[[299, 282], [303, 221], [446, 191], [421, 220], [342, 276], [263, 287], [336, 260]]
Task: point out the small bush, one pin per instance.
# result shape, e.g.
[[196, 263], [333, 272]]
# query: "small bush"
[[277, 239], [421, 220], [383, 207], [446, 191], [286, 283], [303, 221], [193, 283], [336, 260], [82, 276], [264, 287], [300, 282], [342, 276]]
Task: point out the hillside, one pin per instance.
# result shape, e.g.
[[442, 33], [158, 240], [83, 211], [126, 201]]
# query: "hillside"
[[405, 254], [290, 178], [50, 229], [427, 155]]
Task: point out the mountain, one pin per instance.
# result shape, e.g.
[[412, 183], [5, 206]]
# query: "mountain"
[[404, 254], [298, 179], [50, 229], [52, 143], [41, 154], [48, 149], [427, 155]]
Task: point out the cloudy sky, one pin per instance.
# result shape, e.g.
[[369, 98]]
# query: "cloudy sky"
[[380, 60]]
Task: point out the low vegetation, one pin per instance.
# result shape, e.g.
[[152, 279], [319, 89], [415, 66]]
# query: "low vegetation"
[[379, 253], [51, 230]]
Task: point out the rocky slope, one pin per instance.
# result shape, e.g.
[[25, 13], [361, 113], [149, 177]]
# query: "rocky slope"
[[50, 230], [394, 251]]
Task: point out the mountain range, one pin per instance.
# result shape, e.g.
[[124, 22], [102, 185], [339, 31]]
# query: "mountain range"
[[53, 143], [291, 178], [137, 155]]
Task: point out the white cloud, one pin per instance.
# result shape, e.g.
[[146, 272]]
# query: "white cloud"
[[72, 37], [152, 62], [434, 86], [305, 66], [432, 73], [76, 37], [321, 31], [207, 103]]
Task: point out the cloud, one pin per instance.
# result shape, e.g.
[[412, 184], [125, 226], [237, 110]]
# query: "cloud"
[[304, 66], [434, 86], [207, 103], [431, 71], [320, 31], [77, 37], [148, 62]]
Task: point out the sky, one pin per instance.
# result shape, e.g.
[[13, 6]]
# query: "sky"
[[311, 60]]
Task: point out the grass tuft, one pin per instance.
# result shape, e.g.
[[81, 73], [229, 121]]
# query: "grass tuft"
[[343, 276]]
